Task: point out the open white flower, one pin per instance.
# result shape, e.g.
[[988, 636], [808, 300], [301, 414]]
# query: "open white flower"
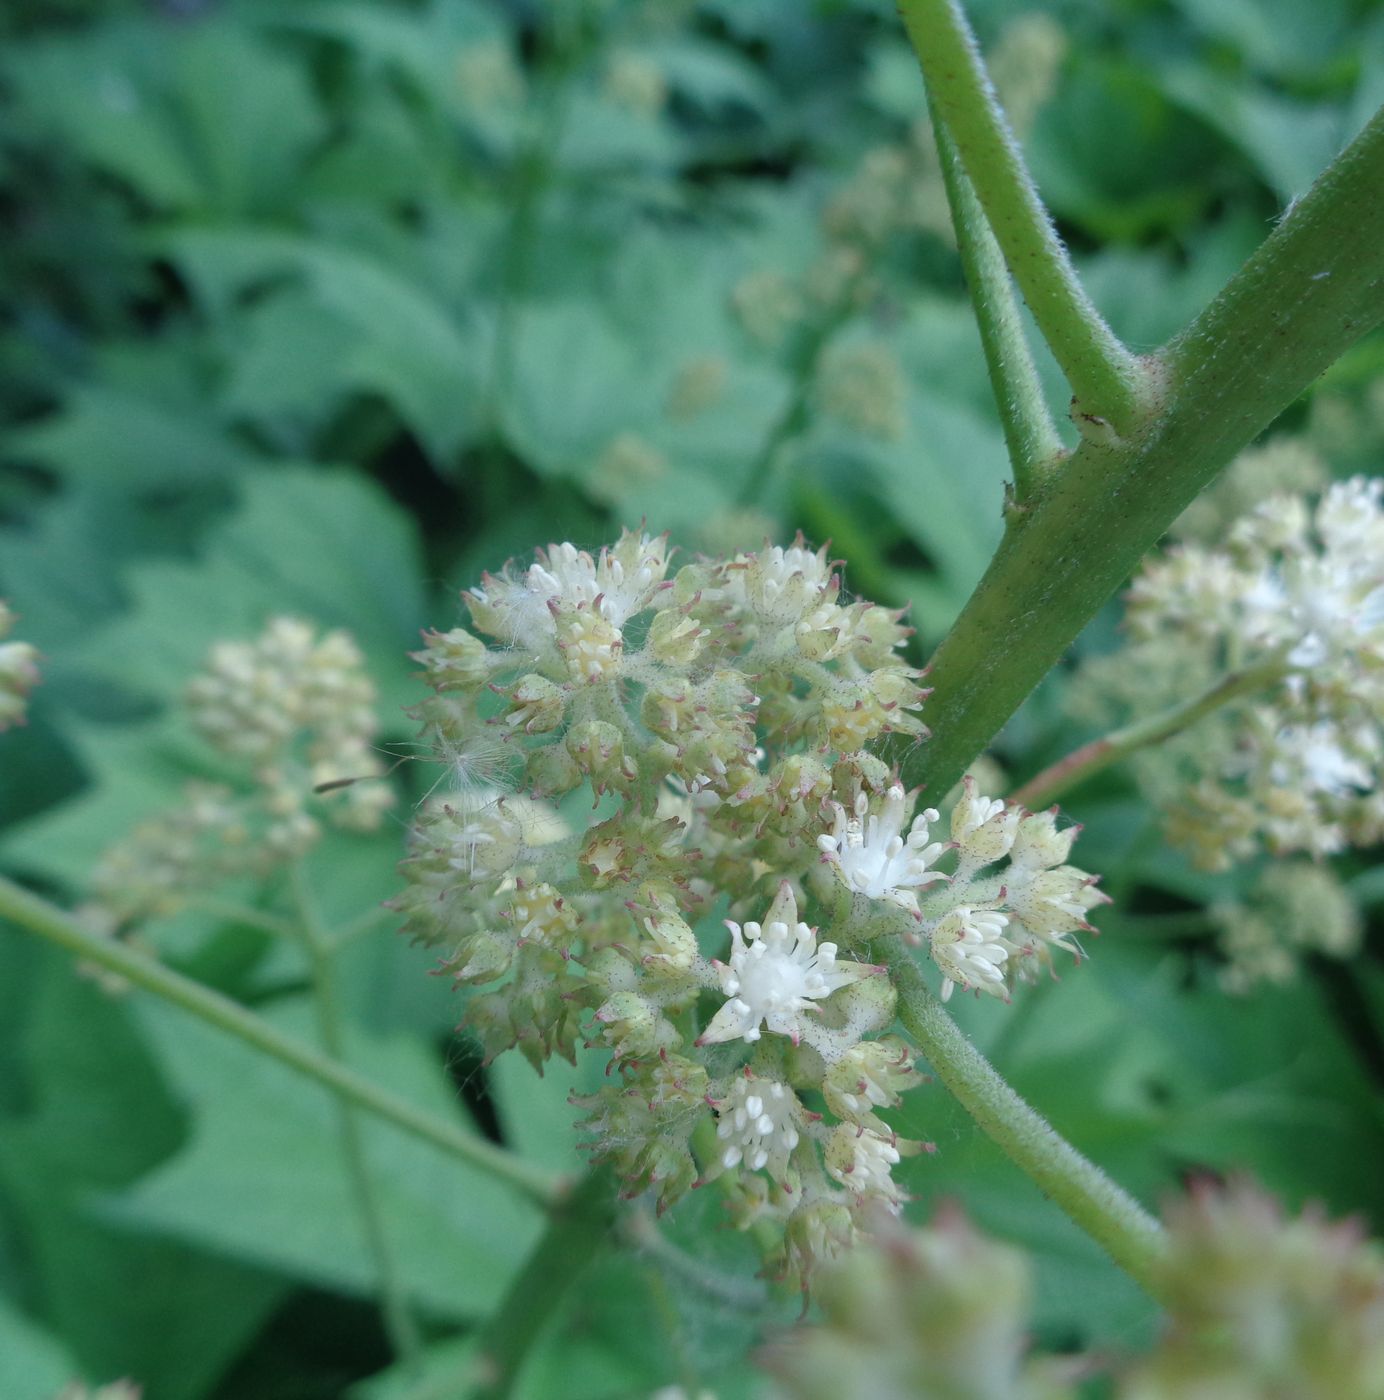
[[863, 1160], [874, 858], [970, 947], [776, 974], [758, 1124]]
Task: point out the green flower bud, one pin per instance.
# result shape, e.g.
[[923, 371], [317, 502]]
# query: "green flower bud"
[[598, 749], [536, 705]]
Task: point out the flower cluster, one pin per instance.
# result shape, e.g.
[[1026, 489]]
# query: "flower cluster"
[[1296, 595], [292, 716], [937, 1313], [665, 834], [1263, 1305], [18, 672], [1259, 1305], [985, 927], [1296, 907]]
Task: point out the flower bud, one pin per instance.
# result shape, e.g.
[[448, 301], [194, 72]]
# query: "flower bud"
[[598, 748], [536, 705], [675, 638], [454, 660]]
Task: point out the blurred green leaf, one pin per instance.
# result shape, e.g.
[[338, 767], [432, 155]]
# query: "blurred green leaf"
[[99, 1116], [262, 1179]]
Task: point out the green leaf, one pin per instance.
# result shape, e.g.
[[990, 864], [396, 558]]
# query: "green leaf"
[[110, 435], [203, 119], [99, 1116], [262, 1178], [396, 340], [1290, 141], [33, 1366]]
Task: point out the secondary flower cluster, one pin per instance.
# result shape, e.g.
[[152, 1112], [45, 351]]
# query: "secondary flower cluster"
[[1296, 907], [18, 672], [1259, 1305], [291, 714], [1298, 593], [646, 763]]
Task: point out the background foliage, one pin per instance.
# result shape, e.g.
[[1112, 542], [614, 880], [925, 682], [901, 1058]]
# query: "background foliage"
[[323, 309]]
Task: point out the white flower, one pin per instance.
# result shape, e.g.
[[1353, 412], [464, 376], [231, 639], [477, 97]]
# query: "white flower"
[[781, 585], [983, 829], [757, 1123], [614, 586], [1312, 756], [862, 1161], [776, 973], [970, 948], [874, 858]]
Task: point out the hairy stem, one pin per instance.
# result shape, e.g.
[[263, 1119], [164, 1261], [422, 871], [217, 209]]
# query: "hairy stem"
[[1108, 1214], [579, 1228], [317, 943], [27, 911], [1029, 432], [1313, 289], [1100, 753], [1105, 378]]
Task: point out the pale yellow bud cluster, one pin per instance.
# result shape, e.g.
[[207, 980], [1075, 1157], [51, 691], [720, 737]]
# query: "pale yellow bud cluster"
[[1264, 1305], [939, 1313], [292, 712], [1294, 600], [628, 463], [488, 77], [635, 82], [696, 727], [699, 385], [1296, 907], [18, 672], [769, 306], [1260, 1305], [862, 384]]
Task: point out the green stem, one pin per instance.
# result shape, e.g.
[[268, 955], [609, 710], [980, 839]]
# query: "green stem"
[[1099, 754], [317, 943], [1313, 289], [1029, 432], [797, 413], [1105, 378], [228, 911], [28, 911], [1108, 1214], [579, 1228]]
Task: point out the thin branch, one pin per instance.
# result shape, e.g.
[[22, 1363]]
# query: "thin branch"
[[1099, 754], [578, 1231], [394, 1305], [27, 911], [1106, 379], [1029, 432], [1107, 1213]]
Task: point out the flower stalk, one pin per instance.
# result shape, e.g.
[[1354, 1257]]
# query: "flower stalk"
[[1107, 381], [317, 944], [1029, 432], [1107, 1213], [1092, 758]]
